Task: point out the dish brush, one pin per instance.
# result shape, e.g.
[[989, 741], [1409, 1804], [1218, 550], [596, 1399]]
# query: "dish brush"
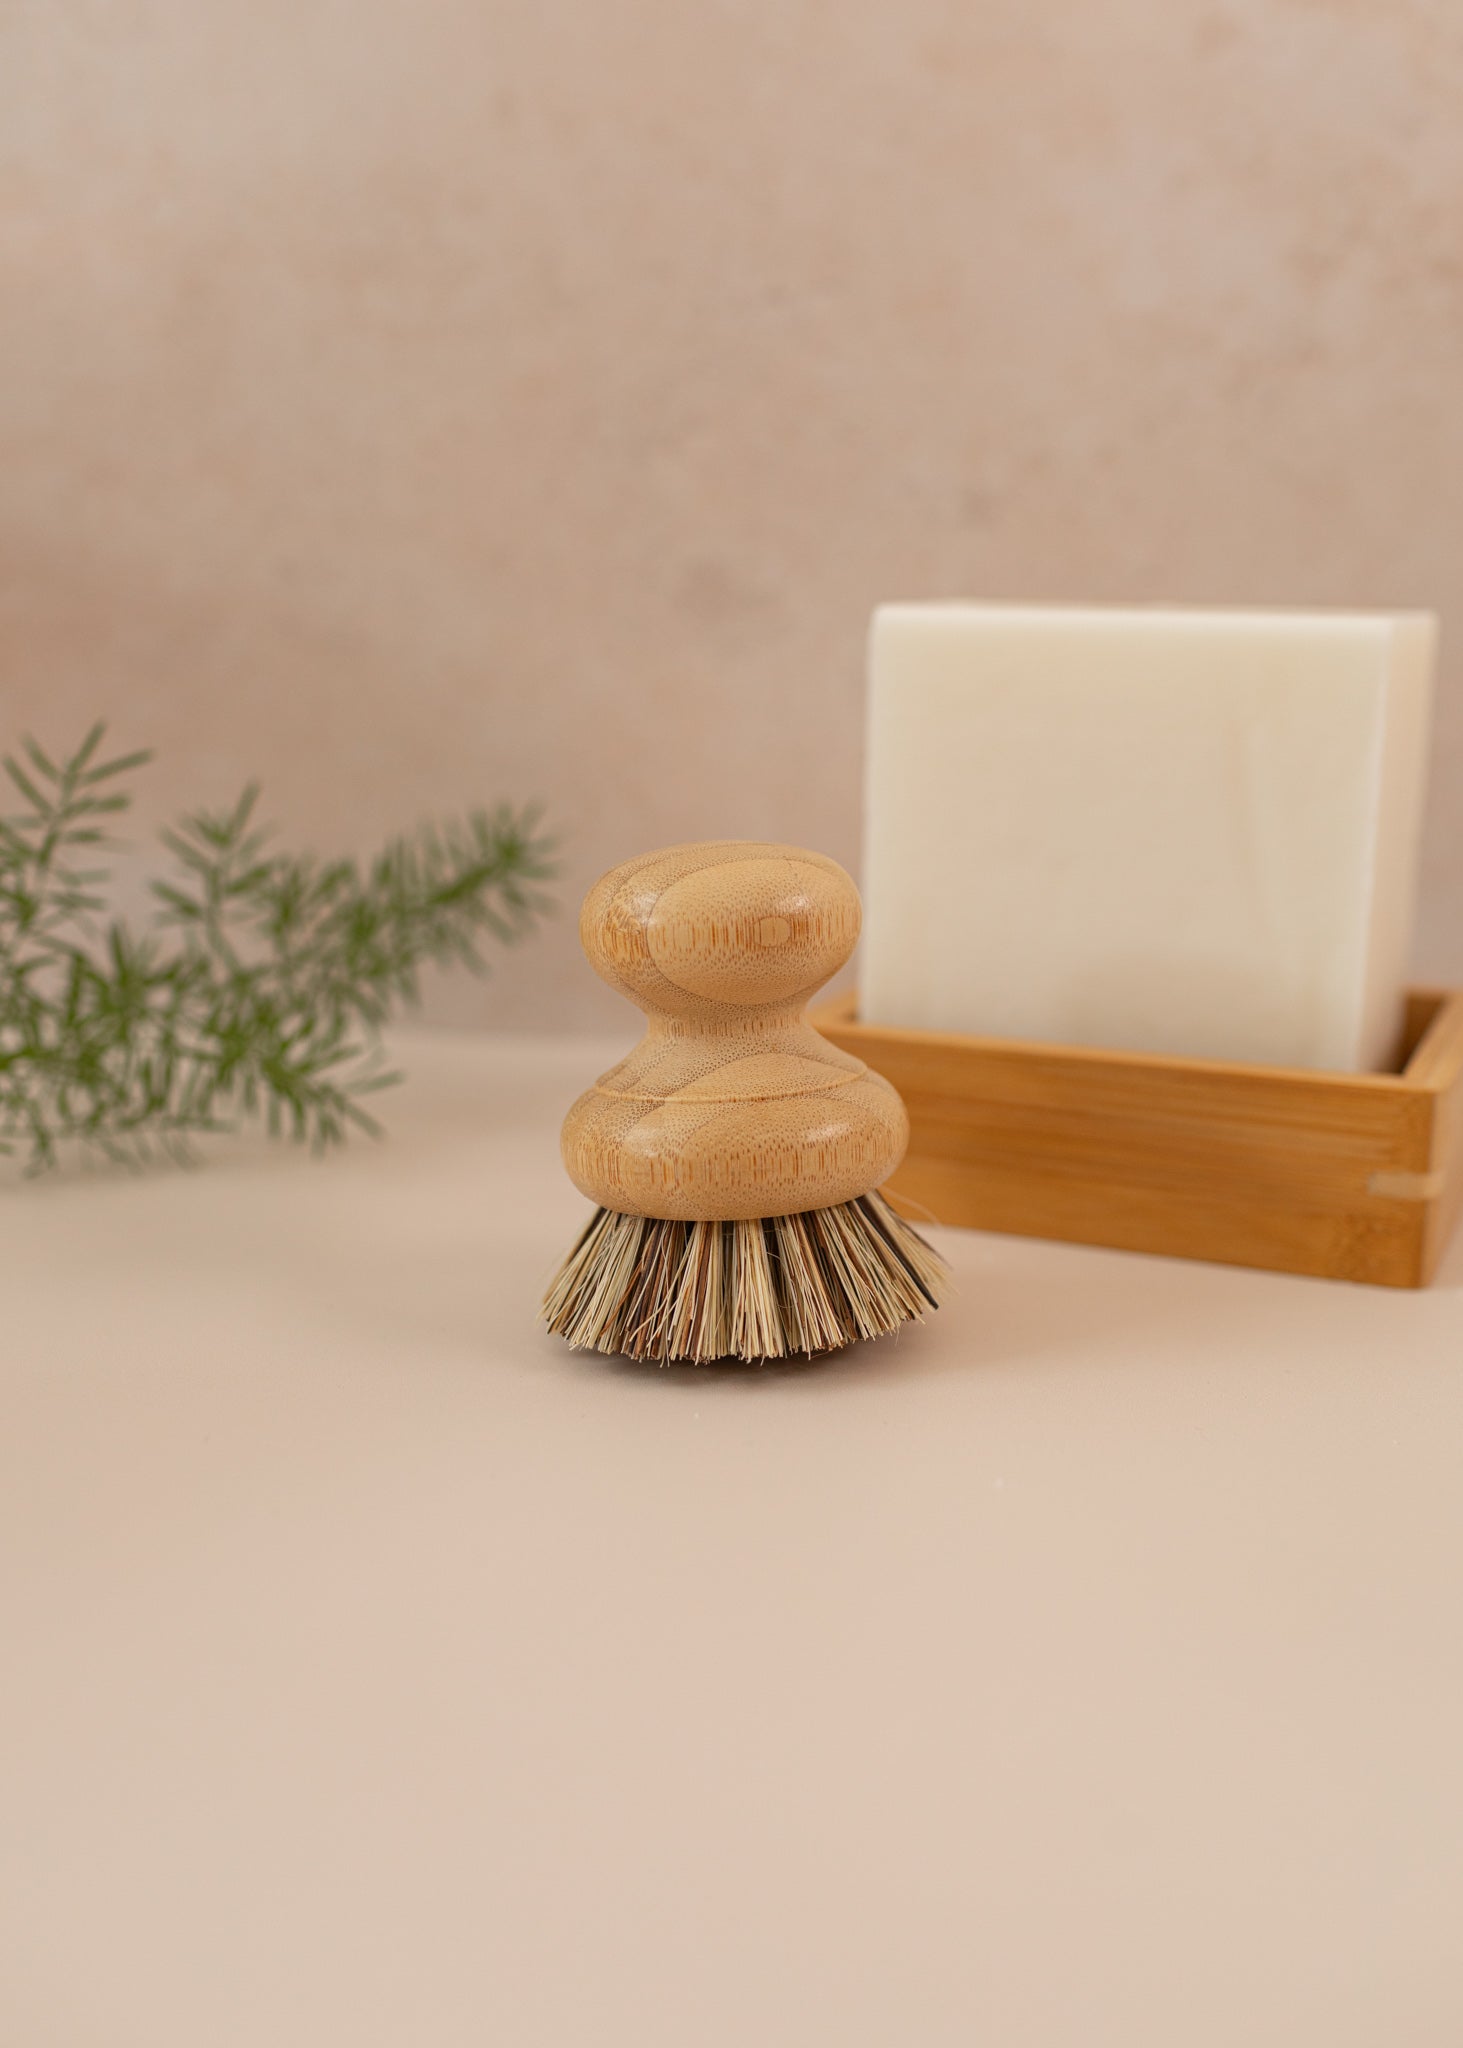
[[735, 1155]]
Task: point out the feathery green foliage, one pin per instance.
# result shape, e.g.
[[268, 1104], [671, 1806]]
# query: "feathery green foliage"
[[259, 986]]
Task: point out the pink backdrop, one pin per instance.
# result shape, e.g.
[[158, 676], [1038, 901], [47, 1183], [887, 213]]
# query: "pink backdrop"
[[413, 403]]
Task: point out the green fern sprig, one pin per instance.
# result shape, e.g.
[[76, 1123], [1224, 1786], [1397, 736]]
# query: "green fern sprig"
[[262, 983]]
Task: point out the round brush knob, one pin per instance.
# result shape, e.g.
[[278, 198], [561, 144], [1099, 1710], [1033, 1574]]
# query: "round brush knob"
[[712, 931], [732, 1105]]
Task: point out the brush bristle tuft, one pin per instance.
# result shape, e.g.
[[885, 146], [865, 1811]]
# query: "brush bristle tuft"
[[652, 1289]]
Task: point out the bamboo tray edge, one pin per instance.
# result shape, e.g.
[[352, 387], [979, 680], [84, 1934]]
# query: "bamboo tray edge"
[[1341, 1176]]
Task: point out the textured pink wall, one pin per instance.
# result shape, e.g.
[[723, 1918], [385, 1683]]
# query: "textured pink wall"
[[410, 403]]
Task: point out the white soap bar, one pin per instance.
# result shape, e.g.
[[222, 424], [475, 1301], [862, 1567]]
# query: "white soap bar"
[[1171, 831]]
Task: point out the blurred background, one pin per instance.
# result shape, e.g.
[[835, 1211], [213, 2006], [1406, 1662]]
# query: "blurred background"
[[416, 404]]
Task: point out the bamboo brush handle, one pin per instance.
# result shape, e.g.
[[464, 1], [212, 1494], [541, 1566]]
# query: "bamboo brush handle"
[[731, 1105]]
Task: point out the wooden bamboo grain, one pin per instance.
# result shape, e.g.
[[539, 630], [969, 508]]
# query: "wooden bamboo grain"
[[1346, 1176], [732, 1106]]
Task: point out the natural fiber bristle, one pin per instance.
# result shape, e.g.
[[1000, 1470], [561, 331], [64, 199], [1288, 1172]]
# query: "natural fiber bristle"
[[653, 1289]]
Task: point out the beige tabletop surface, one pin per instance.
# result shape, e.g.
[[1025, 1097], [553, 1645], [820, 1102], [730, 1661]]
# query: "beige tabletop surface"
[[1084, 1667]]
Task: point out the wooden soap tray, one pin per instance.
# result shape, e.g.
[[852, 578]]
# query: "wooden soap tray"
[[1346, 1176]]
